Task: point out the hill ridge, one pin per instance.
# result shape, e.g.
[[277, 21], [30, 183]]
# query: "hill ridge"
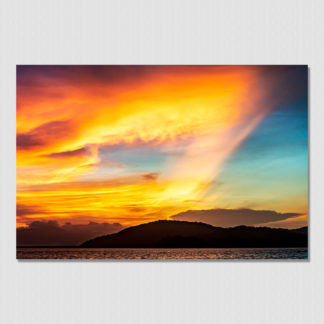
[[170, 233]]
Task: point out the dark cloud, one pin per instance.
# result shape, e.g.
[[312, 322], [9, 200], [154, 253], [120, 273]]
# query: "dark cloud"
[[81, 74], [44, 134], [38, 77], [75, 153], [233, 217], [150, 176], [50, 233], [137, 209], [26, 141], [23, 210], [39, 82]]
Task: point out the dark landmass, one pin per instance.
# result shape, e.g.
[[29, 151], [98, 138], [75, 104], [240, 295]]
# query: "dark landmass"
[[181, 234]]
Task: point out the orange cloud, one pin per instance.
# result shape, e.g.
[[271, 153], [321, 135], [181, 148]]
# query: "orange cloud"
[[65, 115]]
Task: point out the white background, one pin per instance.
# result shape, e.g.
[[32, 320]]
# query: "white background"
[[160, 32]]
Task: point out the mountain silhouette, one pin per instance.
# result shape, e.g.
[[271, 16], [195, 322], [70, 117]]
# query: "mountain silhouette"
[[181, 234]]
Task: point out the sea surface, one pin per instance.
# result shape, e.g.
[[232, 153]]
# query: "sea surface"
[[162, 254]]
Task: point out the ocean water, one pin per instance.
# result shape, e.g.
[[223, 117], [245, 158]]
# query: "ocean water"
[[162, 254]]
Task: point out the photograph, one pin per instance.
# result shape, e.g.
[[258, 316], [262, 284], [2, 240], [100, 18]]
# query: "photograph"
[[162, 162]]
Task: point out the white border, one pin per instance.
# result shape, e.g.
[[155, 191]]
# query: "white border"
[[160, 32]]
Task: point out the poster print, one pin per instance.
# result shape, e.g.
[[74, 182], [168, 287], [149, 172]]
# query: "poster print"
[[162, 162]]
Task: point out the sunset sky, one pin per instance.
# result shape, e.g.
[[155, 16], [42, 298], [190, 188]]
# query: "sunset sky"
[[133, 144]]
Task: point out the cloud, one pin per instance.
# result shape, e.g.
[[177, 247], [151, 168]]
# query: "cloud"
[[23, 210], [75, 153], [44, 134], [151, 176], [233, 217], [26, 141], [101, 183], [50, 233], [195, 117]]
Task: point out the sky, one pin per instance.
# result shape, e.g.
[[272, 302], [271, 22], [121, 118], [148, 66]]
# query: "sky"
[[126, 145]]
